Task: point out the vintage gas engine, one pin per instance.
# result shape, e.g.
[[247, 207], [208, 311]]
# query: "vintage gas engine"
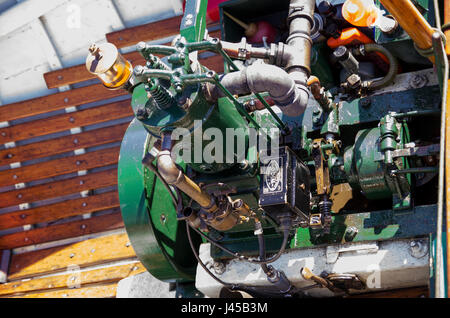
[[315, 152]]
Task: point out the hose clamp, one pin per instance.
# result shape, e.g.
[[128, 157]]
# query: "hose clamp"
[[298, 12]]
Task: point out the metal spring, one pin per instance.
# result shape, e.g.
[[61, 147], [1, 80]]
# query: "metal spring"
[[161, 95], [325, 210]]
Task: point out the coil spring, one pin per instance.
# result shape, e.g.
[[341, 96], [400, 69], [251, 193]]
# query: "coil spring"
[[325, 210], [161, 95]]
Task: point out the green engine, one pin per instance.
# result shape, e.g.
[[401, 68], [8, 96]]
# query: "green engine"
[[305, 144]]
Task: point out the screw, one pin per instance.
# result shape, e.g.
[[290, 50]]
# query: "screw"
[[141, 113], [419, 81], [83, 226], [72, 255], [219, 268], [351, 233]]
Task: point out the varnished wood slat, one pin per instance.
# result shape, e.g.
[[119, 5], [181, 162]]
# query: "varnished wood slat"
[[57, 167], [78, 73], [60, 210], [40, 105], [63, 144], [104, 275], [146, 32], [65, 122], [214, 62], [59, 188], [51, 233], [86, 253], [101, 291]]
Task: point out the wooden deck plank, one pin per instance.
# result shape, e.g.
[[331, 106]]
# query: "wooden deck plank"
[[48, 213], [57, 167], [44, 104], [146, 32], [67, 121], [51, 233], [59, 188], [63, 144], [101, 291], [104, 275], [86, 253]]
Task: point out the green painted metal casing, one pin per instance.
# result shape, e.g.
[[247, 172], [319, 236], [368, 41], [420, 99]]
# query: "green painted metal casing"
[[159, 242]]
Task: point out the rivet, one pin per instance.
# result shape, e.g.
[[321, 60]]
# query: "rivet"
[[72, 255], [83, 226], [66, 100]]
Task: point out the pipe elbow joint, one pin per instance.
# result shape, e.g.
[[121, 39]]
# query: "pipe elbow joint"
[[298, 106], [167, 168]]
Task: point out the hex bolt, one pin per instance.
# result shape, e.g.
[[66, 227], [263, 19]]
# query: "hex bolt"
[[418, 249], [419, 81], [219, 268], [350, 233], [141, 113]]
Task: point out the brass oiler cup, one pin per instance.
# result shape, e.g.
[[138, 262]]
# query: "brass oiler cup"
[[105, 62]]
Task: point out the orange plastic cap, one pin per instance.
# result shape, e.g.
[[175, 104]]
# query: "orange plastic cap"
[[362, 13]]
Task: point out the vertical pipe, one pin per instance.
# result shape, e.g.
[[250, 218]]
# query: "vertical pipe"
[[447, 23], [412, 22], [447, 139]]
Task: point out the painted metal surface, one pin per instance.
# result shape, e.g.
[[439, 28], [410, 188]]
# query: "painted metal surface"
[[154, 240]]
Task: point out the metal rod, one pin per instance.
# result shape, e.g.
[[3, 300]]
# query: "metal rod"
[[410, 19], [416, 170]]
